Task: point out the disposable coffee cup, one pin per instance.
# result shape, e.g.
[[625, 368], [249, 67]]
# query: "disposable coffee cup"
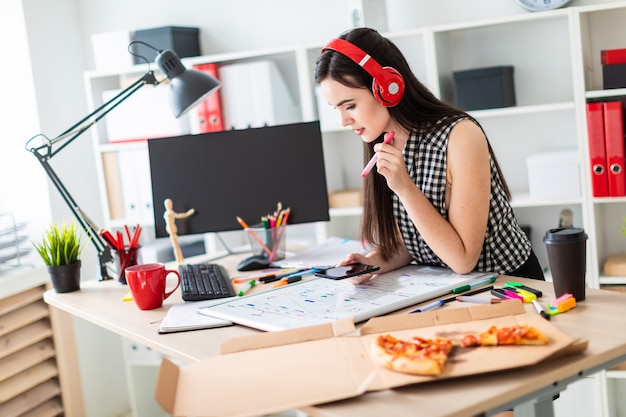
[[567, 257]]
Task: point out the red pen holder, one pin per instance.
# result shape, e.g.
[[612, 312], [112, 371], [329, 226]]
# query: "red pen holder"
[[124, 259]]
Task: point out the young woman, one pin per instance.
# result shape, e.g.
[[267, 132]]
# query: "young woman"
[[436, 194]]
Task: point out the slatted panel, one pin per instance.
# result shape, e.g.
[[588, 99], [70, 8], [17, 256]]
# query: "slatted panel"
[[29, 380], [22, 317], [25, 358], [21, 299], [30, 400], [24, 337], [50, 408]]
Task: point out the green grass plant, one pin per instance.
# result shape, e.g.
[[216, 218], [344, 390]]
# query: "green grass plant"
[[60, 245]]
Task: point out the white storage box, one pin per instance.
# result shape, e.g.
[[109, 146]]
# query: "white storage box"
[[554, 174], [110, 50]]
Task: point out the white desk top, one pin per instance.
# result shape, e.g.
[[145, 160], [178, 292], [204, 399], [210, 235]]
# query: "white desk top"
[[599, 319]]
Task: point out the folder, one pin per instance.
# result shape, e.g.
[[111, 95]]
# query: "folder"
[[210, 116], [113, 184], [134, 167], [614, 139], [613, 56], [255, 94], [597, 150]]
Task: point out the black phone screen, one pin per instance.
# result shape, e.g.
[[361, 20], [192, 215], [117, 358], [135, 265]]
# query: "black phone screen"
[[347, 271]]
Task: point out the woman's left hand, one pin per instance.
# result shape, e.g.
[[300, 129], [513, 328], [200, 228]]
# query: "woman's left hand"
[[391, 165]]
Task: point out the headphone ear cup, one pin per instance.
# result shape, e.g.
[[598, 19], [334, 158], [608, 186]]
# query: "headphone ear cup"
[[388, 87]]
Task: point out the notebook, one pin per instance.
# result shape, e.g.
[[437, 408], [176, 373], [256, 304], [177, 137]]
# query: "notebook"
[[184, 317]]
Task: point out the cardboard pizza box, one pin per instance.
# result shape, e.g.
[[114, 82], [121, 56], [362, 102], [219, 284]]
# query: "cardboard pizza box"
[[276, 371]]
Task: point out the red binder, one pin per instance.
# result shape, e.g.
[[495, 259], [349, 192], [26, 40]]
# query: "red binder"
[[613, 56], [597, 150], [614, 139], [210, 110]]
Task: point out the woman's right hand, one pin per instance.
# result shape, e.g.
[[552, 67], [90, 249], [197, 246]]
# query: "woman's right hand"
[[358, 258]]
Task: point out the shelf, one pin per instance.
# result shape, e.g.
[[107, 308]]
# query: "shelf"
[[616, 374], [523, 199], [607, 280], [598, 94], [520, 110], [345, 211], [608, 200]]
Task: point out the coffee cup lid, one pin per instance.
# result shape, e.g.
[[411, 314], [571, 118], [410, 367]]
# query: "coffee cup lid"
[[564, 234]]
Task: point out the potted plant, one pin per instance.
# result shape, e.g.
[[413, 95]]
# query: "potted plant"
[[60, 249]]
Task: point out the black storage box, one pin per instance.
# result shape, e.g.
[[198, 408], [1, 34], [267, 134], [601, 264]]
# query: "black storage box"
[[182, 40], [484, 88], [614, 76]]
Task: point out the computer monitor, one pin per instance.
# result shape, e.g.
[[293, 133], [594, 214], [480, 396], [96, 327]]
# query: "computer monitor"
[[243, 173]]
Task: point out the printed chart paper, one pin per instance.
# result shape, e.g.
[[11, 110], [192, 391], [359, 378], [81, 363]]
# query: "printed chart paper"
[[321, 300]]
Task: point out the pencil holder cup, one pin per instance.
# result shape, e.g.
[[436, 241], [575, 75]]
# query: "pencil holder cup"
[[268, 242], [125, 258]]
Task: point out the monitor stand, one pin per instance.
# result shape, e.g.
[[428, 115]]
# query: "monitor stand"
[[211, 246]]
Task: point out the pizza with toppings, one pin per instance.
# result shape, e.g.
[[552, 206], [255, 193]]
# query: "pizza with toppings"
[[519, 334], [420, 356], [415, 356]]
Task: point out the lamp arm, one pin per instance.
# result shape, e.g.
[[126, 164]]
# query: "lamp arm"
[[45, 152], [104, 252]]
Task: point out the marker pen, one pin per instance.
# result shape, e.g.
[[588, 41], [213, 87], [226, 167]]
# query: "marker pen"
[[247, 288], [427, 307], [286, 281], [539, 308], [370, 164], [478, 300]]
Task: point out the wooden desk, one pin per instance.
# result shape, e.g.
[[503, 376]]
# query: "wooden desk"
[[599, 319]]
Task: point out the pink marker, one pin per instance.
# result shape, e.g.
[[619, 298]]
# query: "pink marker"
[[372, 161]]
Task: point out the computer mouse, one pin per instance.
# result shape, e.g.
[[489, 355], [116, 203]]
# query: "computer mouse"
[[253, 262]]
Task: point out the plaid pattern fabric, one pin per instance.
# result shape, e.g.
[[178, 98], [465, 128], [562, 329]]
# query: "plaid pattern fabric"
[[506, 246]]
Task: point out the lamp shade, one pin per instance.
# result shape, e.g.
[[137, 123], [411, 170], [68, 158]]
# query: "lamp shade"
[[187, 87]]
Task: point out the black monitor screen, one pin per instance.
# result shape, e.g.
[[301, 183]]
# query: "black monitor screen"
[[243, 173]]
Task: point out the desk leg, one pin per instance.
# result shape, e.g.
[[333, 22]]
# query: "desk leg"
[[540, 407], [537, 404]]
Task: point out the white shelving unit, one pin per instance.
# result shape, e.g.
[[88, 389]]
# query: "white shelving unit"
[[556, 60]]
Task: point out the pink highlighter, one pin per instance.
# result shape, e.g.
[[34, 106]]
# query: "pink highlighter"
[[372, 161]]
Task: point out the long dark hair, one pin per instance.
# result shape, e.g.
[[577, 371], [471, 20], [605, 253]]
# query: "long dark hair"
[[418, 110]]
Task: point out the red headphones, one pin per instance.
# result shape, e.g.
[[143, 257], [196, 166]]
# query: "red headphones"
[[388, 84]]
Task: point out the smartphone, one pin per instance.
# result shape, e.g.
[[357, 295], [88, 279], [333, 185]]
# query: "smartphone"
[[347, 271]]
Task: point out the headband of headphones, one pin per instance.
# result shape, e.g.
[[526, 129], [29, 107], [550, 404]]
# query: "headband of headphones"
[[388, 84]]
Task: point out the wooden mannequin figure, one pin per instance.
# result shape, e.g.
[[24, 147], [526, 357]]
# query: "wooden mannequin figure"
[[170, 217]]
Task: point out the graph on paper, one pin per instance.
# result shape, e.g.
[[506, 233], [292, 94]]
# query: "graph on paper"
[[321, 300]]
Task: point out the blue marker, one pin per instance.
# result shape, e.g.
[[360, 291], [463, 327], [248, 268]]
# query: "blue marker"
[[299, 274], [427, 307]]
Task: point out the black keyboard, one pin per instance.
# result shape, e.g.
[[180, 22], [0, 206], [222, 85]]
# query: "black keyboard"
[[204, 281]]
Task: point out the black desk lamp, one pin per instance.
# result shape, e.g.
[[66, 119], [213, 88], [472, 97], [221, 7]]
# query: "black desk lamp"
[[187, 89]]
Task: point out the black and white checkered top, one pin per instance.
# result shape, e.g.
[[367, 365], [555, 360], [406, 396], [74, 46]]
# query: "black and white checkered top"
[[506, 246]]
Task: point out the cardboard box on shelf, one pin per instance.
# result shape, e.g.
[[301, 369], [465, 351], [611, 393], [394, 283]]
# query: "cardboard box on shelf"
[[615, 265], [341, 354], [346, 198]]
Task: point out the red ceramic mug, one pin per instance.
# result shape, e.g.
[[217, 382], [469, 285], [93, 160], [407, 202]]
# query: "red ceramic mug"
[[147, 284]]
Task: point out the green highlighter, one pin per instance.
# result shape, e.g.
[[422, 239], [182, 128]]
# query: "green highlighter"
[[519, 286]]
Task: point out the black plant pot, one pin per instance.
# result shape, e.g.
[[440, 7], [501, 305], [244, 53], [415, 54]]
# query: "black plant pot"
[[65, 278]]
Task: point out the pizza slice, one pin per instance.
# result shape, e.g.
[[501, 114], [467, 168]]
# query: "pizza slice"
[[519, 334], [415, 356]]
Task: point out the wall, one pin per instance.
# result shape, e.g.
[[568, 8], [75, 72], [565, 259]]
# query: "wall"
[[23, 188]]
